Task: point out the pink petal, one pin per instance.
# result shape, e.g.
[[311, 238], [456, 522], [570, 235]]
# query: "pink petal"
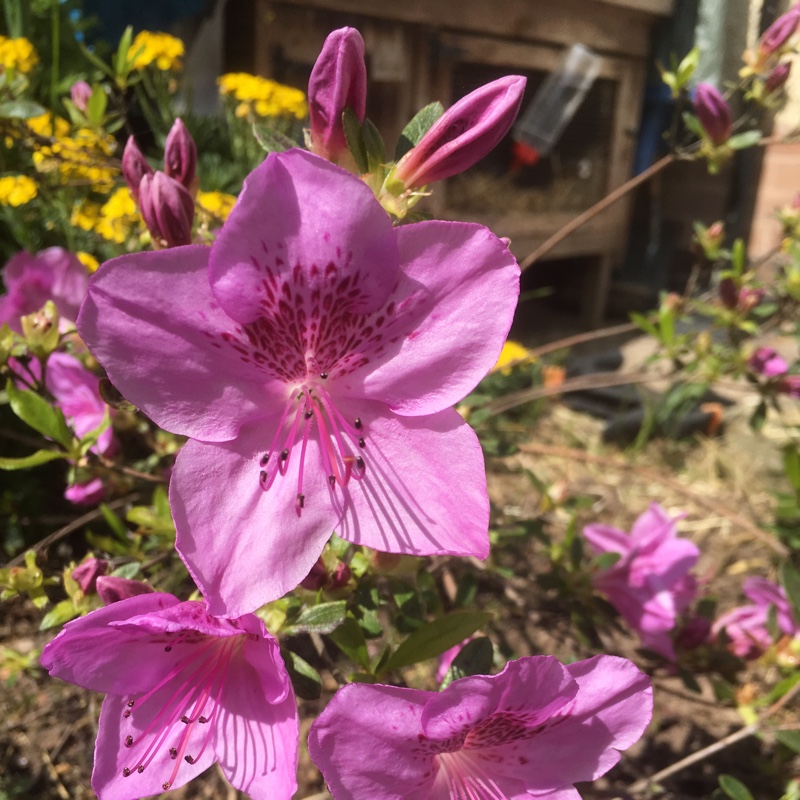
[[366, 743], [299, 221], [605, 539], [468, 282], [151, 321]]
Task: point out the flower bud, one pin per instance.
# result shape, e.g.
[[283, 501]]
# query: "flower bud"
[[112, 589], [766, 362], [167, 209], [464, 134], [778, 77], [749, 298], [86, 494], [80, 92], [40, 330], [338, 81], [134, 167], [317, 578], [713, 112], [779, 32], [728, 293], [180, 156], [790, 385], [87, 573]]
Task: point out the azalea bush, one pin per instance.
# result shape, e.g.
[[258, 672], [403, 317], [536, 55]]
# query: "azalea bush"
[[261, 409]]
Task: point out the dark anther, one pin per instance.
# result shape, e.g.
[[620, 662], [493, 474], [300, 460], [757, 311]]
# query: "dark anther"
[[129, 741], [168, 648], [165, 786], [362, 443], [331, 480], [301, 500], [264, 459], [358, 423], [185, 720], [284, 455], [140, 768], [189, 759], [203, 720], [262, 476], [360, 462], [173, 753], [308, 414], [126, 714], [323, 375], [126, 772], [130, 703]]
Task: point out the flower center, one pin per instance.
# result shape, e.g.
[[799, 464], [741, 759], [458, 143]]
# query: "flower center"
[[341, 442], [462, 777], [187, 697]]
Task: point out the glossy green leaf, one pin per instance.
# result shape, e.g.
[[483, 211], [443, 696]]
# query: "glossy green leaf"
[[790, 580], [418, 126], [305, 679], [20, 109], [33, 460], [789, 738], [349, 638], [355, 138], [59, 614], [741, 141], [475, 658], [322, 618], [39, 414], [734, 788]]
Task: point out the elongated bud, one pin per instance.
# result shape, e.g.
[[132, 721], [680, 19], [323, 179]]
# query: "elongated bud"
[[728, 293], [778, 77], [713, 112], [112, 589], [87, 573], [779, 32], [464, 134], [80, 92], [180, 156], [134, 167], [338, 81], [167, 209]]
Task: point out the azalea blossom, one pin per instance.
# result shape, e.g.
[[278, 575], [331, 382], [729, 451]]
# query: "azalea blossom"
[[650, 585], [747, 627], [183, 690], [535, 729], [313, 354]]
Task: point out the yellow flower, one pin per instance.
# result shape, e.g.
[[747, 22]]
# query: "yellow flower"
[[513, 353], [88, 260], [43, 125], [16, 190], [262, 97], [118, 216], [217, 203], [148, 47], [85, 215], [17, 54]]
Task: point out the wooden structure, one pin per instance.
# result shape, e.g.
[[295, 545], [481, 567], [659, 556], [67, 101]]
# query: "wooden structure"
[[422, 50]]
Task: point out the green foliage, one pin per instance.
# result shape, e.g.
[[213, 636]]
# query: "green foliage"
[[734, 788], [419, 125]]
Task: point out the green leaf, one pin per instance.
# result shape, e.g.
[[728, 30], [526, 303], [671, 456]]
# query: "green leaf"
[[121, 57], [791, 465], [476, 658], [130, 571], [21, 109], [322, 618], [741, 141], [758, 417], [373, 146], [305, 679], [604, 561], [349, 638], [687, 67], [272, 141], [790, 580], [417, 128], [115, 523], [693, 124], [355, 138], [433, 638], [59, 614], [39, 414], [96, 107], [734, 788], [789, 738], [33, 460]]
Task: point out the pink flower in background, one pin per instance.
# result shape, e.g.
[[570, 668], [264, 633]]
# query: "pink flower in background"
[[134, 167], [713, 112], [532, 731], [183, 690], [180, 156], [776, 36], [464, 134], [338, 81], [112, 588], [747, 627], [650, 585], [80, 92], [86, 494], [765, 361], [31, 280], [87, 573], [313, 354]]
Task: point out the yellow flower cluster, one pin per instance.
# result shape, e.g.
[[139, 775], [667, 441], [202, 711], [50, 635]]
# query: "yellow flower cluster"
[[16, 190], [513, 354], [116, 220], [148, 47], [262, 97], [82, 156], [218, 204], [17, 54], [88, 261]]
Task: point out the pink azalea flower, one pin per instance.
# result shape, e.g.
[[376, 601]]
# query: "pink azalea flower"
[[765, 361], [86, 494], [87, 573], [747, 627], [533, 730], [31, 280], [650, 585], [313, 354], [112, 588], [183, 690], [80, 92]]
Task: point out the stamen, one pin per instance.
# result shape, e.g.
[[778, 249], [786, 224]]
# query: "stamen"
[[168, 648], [173, 753], [357, 423], [129, 741], [126, 772], [361, 443]]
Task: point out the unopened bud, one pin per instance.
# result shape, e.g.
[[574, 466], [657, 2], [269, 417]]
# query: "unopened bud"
[[778, 77], [167, 209], [180, 156], [87, 573], [134, 167], [778, 33], [80, 92], [317, 578], [713, 112], [112, 589], [728, 293], [749, 298], [40, 330]]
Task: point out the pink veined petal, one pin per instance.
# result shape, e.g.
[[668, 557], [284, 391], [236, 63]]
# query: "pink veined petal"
[[653, 527], [256, 741], [605, 539], [93, 655], [297, 215], [243, 545], [366, 743], [150, 319], [71, 280], [468, 284]]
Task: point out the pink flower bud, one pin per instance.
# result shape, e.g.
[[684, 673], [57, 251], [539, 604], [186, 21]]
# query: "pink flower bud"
[[338, 81], [749, 298], [464, 134], [779, 32], [167, 209], [728, 293], [180, 155], [80, 92], [134, 167], [86, 494], [765, 361], [317, 578], [778, 77], [713, 112], [112, 589], [790, 385], [87, 573]]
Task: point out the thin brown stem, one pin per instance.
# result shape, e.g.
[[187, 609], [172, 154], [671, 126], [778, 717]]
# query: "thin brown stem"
[[580, 338]]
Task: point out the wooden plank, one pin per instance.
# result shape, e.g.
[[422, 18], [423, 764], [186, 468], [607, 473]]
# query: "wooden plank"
[[607, 28], [660, 8]]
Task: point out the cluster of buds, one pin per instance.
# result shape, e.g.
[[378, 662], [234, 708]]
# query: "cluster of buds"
[[325, 576], [90, 576], [766, 363], [739, 298], [709, 239], [165, 199], [773, 43]]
